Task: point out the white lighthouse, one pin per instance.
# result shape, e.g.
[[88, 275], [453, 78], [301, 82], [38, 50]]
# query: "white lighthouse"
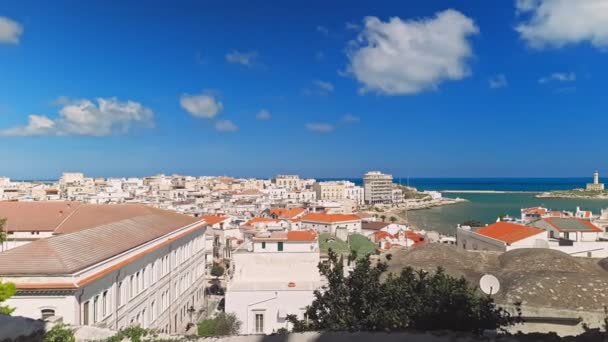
[[596, 185]]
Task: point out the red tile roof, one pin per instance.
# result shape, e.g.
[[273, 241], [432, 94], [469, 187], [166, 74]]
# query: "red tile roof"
[[302, 235], [508, 232], [287, 213], [330, 218], [213, 219]]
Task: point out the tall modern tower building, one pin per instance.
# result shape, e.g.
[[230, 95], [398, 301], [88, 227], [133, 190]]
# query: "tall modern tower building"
[[377, 187]]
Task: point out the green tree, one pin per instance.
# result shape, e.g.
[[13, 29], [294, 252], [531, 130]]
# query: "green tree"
[[217, 271], [362, 301], [59, 333], [383, 217], [393, 219], [7, 290], [222, 325]]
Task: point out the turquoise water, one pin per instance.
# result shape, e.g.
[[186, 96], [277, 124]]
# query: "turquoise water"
[[487, 207]]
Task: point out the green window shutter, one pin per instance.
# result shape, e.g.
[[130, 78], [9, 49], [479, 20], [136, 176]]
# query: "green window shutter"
[[280, 246]]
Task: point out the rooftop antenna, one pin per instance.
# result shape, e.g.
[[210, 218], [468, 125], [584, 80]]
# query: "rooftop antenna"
[[489, 284]]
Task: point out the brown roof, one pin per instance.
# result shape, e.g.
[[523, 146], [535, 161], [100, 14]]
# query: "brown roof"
[[36, 216], [66, 217], [373, 225], [74, 251]]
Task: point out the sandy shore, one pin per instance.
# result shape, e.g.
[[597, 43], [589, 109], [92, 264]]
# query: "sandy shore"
[[399, 209]]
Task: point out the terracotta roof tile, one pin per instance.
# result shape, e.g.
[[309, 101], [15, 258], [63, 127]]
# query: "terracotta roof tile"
[[508, 232], [287, 213], [213, 219], [330, 218]]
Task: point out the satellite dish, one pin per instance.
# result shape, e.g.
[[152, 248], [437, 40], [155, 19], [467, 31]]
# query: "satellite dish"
[[489, 284]]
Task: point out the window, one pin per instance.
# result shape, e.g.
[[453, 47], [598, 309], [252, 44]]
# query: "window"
[[263, 245], [46, 313], [119, 293], [280, 246], [104, 304], [95, 309], [132, 286], [153, 311], [85, 313], [259, 323]]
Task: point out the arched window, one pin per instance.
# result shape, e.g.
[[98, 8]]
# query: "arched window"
[[46, 313]]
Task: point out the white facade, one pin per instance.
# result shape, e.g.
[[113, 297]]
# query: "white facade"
[[152, 285], [289, 182], [468, 239], [351, 226], [377, 187], [270, 282]]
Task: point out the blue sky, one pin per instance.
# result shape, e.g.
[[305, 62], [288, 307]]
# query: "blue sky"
[[419, 88]]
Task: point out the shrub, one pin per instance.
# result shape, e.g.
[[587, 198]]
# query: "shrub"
[[222, 325], [217, 270], [7, 290], [59, 333], [133, 333], [365, 300]]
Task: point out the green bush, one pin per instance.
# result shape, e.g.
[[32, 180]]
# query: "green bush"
[[59, 333], [217, 270], [7, 290], [133, 333], [222, 325], [368, 300]]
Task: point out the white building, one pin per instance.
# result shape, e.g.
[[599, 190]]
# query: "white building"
[[112, 268], [340, 225], [501, 236], [289, 182], [596, 185], [377, 187], [573, 236], [273, 278]]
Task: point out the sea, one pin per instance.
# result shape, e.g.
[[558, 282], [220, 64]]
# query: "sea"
[[516, 193]]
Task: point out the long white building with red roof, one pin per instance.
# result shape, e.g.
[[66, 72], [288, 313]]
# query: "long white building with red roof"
[[105, 265]]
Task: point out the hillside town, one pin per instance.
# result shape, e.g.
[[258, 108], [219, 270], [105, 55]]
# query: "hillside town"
[[164, 252]]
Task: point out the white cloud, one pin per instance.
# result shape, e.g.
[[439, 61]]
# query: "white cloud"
[[37, 125], [319, 88], [349, 118], [10, 31], [324, 86], [225, 126], [400, 57], [84, 117], [204, 106], [558, 77], [320, 127], [243, 58], [323, 30], [263, 114], [555, 23], [352, 26], [498, 81]]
